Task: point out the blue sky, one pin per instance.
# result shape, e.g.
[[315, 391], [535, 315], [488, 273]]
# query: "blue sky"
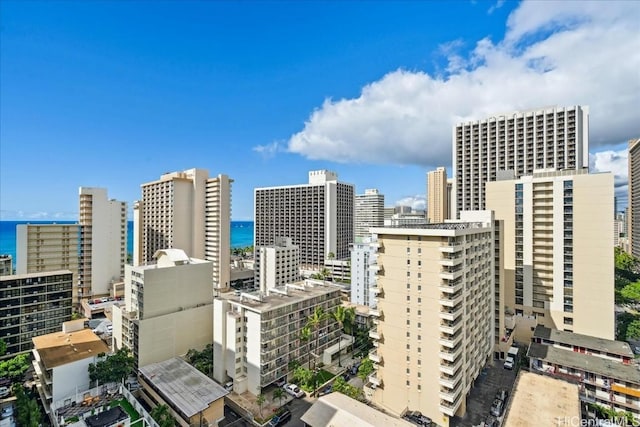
[[113, 94]]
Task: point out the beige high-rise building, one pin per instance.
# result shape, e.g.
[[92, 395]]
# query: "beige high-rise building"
[[556, 246], [437, 200], [189, 211], [369, 212], [6, 265], [103, 242], [168, 308], [633, 213], [516, 144], [94, 250], [433, 324], [318, 217]]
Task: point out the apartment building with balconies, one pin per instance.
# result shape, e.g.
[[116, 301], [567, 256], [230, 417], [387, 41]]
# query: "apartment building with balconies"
[[556, 251], [190, 211], [33, 304], [362, 277], [6, 265], [318, 217], [168, 308], [605, 370], [433, 321], [256, 335], [633, 213], [516, 144]]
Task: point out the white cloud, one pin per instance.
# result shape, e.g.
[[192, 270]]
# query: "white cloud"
[[495, 7], [553, 53], [417, 202], [268, 150], [8, 215], [615, 162]]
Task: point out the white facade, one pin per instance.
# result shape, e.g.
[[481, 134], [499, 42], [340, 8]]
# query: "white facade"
[[255, 336], [189, 211], [168, 308], [61, 362], [517, 143], [369, 212], [362, 277], [277, 264], [103, 242], [405, 219], [318, 217]]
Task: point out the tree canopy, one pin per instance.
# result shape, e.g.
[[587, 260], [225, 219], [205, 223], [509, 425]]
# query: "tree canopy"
[[15, 367], [113, 368]]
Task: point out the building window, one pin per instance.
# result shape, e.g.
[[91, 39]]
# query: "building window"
[[408, 286], [408, 297]]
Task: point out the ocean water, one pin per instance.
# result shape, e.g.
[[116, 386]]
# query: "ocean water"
[[241, 234]]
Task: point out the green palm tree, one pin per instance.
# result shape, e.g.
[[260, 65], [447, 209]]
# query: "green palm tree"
[[260, 399], [278, 394], [162, 416], [305, 336], [340, 316], [314, 322]]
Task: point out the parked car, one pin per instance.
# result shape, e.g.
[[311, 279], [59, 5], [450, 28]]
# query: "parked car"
[[4, 391], [7, 411], [491, 422], [281, 382], [508, 363], [497, 407], [417, 418], [346, 376], [228, 386], [293, 390], [280, 419], [502, 395], [328, 389]]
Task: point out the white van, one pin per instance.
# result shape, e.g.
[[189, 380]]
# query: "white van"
[[512, 356]]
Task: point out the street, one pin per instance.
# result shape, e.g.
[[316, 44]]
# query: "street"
[[297, 407]]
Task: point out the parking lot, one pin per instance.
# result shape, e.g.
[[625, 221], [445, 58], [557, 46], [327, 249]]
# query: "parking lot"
[[490, 380]]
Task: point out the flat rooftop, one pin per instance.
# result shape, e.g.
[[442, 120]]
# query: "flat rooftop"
[[539, 401], [337, 409], [182, 386], [619, 348], [585, 362], [436, 226], [60, 348], [254, 301], [32, 275]]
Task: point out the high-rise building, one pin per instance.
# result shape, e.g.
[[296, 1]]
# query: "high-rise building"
[[278, 264], [556, 246], [103, 242], [516, 144], [318, 217], [94, 250], [437, 200], [434, 317], [33, 304], [362, 276], [189, 211], [633, 214], [369, 212], [168, 308]]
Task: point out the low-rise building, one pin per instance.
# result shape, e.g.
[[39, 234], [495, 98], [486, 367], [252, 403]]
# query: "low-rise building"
[[192, 397], [256, 335], [337, 409], [33, 304], [61, 362], [603, 369], [560, 407]]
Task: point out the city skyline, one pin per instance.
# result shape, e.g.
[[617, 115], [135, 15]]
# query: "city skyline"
[[265, 92]]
